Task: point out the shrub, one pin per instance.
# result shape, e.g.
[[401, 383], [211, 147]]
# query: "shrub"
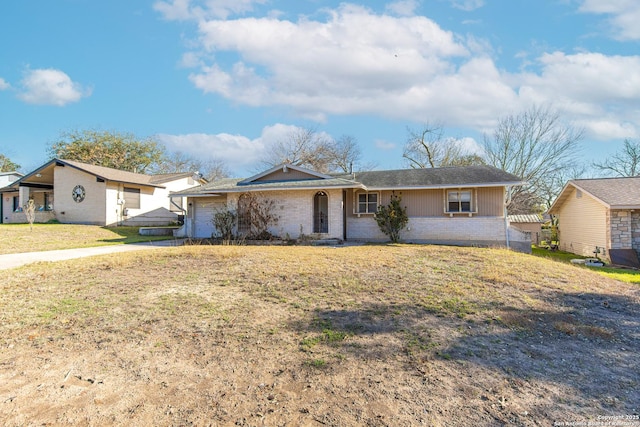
[[224, 221], [392, 218]]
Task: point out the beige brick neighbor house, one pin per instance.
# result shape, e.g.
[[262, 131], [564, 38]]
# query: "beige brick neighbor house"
[[79, 193], [457, 205], [599, 216]]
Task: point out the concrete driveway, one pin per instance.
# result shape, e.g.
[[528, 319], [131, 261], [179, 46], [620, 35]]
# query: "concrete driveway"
[[18, 260]]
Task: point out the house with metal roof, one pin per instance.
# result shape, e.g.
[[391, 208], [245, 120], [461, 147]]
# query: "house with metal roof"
[[80, 193], [600, 217], [454, 205]]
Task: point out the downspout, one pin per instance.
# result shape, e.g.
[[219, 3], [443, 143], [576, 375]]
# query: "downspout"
[[506, 216]]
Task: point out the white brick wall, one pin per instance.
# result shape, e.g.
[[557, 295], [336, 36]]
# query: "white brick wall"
[[295, 211], [480, 230]]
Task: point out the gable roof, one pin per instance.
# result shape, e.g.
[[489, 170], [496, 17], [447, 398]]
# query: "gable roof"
[[44, 174], [285, 167], [614, 193], [451, 177]]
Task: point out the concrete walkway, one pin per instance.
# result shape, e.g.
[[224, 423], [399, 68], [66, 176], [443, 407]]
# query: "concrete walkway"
[[18, 260]]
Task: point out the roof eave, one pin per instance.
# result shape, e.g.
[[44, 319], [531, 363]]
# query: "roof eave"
[[444, 186]]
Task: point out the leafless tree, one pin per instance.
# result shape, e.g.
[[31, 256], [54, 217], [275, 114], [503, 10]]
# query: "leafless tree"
[[178, 161], [429, 148], [555, 182], [625, 162], [534, 146], [302, 147]]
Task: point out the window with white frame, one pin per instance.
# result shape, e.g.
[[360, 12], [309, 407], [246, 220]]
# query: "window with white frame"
[[459, 201], [367, 203]]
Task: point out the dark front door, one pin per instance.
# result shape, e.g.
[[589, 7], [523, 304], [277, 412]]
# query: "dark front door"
[[321, 213]]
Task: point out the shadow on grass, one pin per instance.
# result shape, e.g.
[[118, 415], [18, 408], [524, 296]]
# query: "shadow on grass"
[[589, 344]]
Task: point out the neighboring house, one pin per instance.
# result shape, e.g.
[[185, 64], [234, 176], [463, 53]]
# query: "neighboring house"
[[79, 193], [7, 178], [530, 223], [597, 216], [457, 205]]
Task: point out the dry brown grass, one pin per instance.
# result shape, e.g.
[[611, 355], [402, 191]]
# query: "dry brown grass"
[[19, 238], [369, 335]]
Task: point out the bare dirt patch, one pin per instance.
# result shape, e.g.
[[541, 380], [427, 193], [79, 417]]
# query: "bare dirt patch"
[[370, 335]]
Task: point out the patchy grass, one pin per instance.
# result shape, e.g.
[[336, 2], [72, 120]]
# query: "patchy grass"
[[370, 335], [622, 274], [18, 238]]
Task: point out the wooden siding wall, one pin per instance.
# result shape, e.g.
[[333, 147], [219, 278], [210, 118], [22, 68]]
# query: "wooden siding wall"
[[431, 203], [582, 222]]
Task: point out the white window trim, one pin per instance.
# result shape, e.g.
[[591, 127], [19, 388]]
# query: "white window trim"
[[356, 202], [474, 202]]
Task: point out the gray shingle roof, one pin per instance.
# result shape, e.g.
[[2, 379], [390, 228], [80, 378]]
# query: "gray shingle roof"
[[234, 185], [615, 192], [390, 179], [436, 177]]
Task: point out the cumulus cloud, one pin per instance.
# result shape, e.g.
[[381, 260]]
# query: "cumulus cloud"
[[624, 16], [601, 92], [3, 84], [50, 87], [353, 61], [237, 150]]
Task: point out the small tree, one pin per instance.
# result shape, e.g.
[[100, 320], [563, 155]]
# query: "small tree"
[[392, 218], [29, 210]]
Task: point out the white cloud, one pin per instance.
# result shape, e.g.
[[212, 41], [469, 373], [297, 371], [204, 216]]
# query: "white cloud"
[[355, 62], [608, 128], [352, 61], [467, 5], [624, 16], [182, 10], [3, 84], [50, 87], [599, 91], [402, 7], [236, 150]]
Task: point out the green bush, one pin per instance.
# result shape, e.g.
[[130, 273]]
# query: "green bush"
[[392, 218]]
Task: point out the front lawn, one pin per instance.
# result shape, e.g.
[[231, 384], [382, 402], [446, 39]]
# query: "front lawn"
[[372, 335], [18, 238]]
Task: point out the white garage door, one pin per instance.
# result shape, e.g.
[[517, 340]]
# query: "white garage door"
[[203, 215]]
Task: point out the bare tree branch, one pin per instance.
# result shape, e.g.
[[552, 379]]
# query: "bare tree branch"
[[534, 145], [625, 162], [428, 148]]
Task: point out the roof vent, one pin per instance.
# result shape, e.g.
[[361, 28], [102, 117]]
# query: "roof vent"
[[578, 194]]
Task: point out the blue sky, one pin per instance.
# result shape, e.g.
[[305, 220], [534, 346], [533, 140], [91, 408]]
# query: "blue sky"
[[224, 79]]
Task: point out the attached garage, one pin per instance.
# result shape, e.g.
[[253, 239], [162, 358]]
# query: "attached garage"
[[203, 210]]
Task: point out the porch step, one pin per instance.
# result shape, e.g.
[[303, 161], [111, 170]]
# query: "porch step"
[[325, 242]]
